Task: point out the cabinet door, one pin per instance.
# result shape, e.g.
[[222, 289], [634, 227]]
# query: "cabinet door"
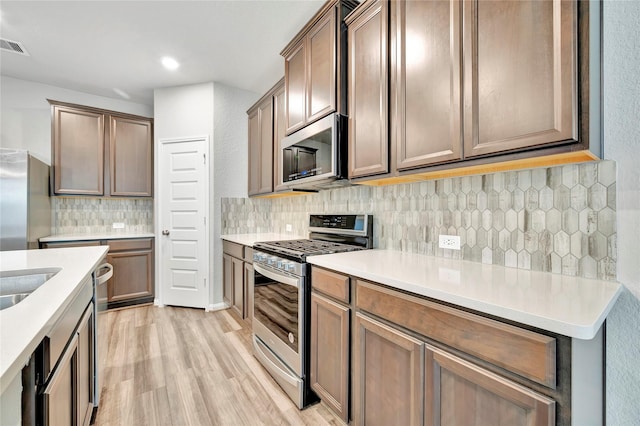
[[330, 353], [266, 147], [59, 396], [227, 283], [520, 74], [458, 392], [132, 275], [388, 375], [238, 286], [78, 151], [131, 157], [279, 132], [255, 145], [425, 82], [295, 80], [248, 289], [85, 367], [367, 81], [261, 148], [321, 90]]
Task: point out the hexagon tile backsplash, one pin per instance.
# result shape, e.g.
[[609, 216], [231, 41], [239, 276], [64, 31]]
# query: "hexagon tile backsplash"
[[559, 219], [89, 215]]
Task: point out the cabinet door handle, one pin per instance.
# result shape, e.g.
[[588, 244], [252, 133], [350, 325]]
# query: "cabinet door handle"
[[165, 232]]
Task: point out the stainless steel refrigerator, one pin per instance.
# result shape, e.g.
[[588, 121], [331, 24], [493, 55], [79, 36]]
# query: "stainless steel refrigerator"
[[25, 205]]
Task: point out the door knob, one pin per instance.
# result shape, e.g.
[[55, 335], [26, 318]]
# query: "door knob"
[[165, 232]]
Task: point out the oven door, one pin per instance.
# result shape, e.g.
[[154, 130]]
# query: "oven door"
[[277, 317]]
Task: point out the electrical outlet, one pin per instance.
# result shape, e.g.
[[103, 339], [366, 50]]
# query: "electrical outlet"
[[118, 225], [451, 242], [287, 227]]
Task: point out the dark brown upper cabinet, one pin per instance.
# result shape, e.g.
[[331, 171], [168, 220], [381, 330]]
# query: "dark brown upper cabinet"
[[131, 156], [279, 132], [470, 83], [78, 147], [261, 147], [266, 129], [314, 67], [100, 153], [367, 82], [425, 82], [520, 75]]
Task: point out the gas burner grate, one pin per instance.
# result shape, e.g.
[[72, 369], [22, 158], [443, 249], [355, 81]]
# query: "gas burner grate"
[[303, 248]]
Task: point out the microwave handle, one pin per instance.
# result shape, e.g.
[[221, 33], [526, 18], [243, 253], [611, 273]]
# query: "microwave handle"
[[294, 282]]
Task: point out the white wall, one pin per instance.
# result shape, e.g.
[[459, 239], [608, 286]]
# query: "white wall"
[[26, 114], [230, 162], [218, 111], [621, 81], [180, 112]]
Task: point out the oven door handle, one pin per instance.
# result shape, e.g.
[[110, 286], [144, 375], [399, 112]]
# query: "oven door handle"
[[294, 282]]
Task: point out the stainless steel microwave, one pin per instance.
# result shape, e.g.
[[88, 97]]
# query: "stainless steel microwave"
[[315, 157]]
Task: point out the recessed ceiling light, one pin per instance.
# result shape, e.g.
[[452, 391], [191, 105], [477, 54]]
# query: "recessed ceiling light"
[[170, 63], [121, 93]]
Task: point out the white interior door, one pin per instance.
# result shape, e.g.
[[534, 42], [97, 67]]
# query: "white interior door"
[[183, 220]]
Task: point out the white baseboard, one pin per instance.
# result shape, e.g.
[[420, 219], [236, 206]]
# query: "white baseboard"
[[216, 307], [157, 303]]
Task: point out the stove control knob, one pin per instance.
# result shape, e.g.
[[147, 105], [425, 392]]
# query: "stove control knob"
[[260, 257], [290, 267], [256, 257], [271, 260], [280, 264]]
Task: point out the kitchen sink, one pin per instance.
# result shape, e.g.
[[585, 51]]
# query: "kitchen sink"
[[15, 286]]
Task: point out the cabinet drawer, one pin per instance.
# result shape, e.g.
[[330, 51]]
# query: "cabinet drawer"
[[71, 244], [523, 352], [128, 245], [248, 254], [330, 283], [233, 249]]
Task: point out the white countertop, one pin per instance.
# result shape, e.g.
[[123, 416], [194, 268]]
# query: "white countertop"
[[251, 239], [572, 306], [87, 237], [24, 325]]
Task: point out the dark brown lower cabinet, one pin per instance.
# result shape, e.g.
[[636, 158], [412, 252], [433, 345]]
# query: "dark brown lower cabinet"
[[392, 366], [248, 282], [458, 392], [389, 369], [330, 353], [60, 394], [237, 278], [68, 396], [133, 269], [86, 348], [227, 279], [132, 279], [238, 305]]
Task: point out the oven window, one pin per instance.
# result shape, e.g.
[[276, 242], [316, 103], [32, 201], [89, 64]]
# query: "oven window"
[[276, 307]]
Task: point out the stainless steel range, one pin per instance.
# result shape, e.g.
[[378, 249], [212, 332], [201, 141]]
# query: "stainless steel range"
[[282, 296]]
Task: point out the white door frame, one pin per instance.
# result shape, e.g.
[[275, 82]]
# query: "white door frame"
[[160, 192]]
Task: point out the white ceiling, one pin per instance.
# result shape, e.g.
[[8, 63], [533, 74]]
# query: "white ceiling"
[[96, 46]]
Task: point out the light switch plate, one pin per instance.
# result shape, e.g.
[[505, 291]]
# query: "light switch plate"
[[118, 225], [451, 242], [287, 227]]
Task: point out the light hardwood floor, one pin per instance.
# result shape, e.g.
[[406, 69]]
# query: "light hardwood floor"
[[180, 366]]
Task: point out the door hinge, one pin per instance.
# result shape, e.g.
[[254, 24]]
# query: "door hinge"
[[205, 283], [205, 221], [204, 158]]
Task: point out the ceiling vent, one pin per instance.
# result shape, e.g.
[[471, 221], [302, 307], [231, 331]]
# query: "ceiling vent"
[[13, 46]]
